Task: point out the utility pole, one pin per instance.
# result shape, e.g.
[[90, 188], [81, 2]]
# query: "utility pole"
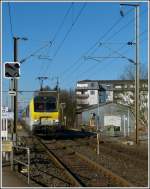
[[137, 63], [15, 81], [14, 87], [57, 83], [137, 72], [98, 121], [63, 106], [58, 96]]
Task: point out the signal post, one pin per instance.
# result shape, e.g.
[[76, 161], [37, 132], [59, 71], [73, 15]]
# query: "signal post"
[[15, 89]]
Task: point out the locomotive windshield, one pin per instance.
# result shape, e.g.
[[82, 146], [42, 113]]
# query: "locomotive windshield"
[[44, 104]]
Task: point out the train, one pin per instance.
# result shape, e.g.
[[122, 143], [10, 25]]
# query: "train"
[[42, 113]]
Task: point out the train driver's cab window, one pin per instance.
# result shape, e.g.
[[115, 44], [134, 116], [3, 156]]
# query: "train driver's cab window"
[[44, 104]]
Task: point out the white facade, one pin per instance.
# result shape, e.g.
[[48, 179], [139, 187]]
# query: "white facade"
[[86, 96], [93, 97], [120, 91]]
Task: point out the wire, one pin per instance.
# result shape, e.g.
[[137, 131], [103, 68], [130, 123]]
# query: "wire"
[[69, 30], [67, 33], [97, 42], [56, 34], [10, 20], [62, 23], [123, 46], [99, 46], [112, 36], [104, 59], [36, 51], [120, 54], [51, 42]]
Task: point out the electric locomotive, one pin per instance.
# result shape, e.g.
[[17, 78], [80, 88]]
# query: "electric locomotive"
[[43, 112]]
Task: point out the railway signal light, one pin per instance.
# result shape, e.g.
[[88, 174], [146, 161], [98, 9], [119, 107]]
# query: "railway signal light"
[[12, 70]]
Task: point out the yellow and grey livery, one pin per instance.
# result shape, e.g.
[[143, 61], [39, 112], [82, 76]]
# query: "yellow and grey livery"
[[43, 112]]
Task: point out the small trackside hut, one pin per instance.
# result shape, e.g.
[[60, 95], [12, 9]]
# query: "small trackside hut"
[[110, 118]]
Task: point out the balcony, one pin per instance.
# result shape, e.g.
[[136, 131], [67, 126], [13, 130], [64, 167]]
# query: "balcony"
[[82, 96], [82, 102]]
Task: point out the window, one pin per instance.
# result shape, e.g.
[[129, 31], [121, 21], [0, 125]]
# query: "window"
[[118, 86], [108, 86], [92, 84], [131, 86], [116, 128], [44, 104], [92, 92]]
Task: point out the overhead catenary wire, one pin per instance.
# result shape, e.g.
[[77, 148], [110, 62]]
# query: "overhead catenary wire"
[[36, 51], [94, 45], [51, 41], [98, 41], [63, 21], [104, 66], [121, 54], [56, 35], [91, 68], [69, 30], [102, 60], [112, 36], [67, 33]]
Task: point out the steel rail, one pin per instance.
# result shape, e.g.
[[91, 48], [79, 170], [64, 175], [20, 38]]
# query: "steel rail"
[[114, 177], [72, 178]]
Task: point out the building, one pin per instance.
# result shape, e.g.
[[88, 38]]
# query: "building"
[[111, 118], [90, 92], [93, 92]]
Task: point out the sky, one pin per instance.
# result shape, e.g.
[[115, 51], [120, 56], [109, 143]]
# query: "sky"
[[67, 31]]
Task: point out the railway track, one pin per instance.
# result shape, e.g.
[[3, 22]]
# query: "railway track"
[[80, 170], [115, 151], [65, 163], [130, 167]]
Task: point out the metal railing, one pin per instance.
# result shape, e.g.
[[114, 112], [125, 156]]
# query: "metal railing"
[[20, 162]]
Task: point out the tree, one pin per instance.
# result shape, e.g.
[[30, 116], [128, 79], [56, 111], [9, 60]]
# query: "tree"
[[129, 74], [68, 97]]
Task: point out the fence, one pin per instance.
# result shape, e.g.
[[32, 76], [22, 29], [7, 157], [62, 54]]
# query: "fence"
[[4, 129], [4, 135], [21, 162]]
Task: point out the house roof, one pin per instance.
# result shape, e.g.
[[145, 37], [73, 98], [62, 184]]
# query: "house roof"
[[111, 81], [102, 104]]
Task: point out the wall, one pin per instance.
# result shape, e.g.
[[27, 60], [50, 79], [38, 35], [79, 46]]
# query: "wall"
[[111, 115]]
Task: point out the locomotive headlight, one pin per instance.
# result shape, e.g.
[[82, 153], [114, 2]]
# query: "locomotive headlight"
[[36, 120], [57, 121]]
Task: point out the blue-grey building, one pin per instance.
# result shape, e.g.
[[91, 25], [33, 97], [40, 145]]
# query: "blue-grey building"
[[111, 118]]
